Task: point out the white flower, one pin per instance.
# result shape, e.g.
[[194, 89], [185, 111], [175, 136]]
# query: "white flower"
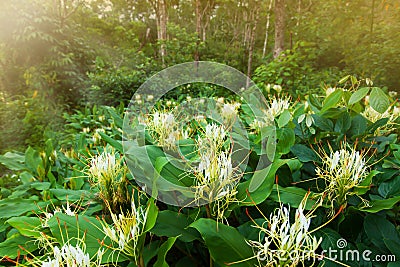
[[126, 229], [329, 91], [101, 165], [275, 107], [149, 97], [229, 111], [286, 243], [68, 256], [342, 171], [165, 129], [216, 177], [137, 96]]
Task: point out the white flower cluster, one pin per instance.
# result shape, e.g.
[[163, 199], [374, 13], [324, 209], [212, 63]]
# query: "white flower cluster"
[[66, 210], [229, 112], [392, 114], [165, 129], [68, 256], [347, 165], [275, 107], [342, 171], [103, 165], [216, 178], [126, 229], [285, 243]]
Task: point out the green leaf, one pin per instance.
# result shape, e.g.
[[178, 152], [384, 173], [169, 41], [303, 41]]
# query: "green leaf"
[[225, 243], [114, 143], [332, 100], [69, 228], [382, 233], [152, 213], [32, 159], [284, 118], [379, 100], [258, 178], [72, 195], [381, 204], [265, 188], [344, 79], [286, 138], [13, 161], [27, 226], [343, 123], [11, 247], [358, 125], [171, 224], [358, 95], [162, 252], [292, 196], [324, 124], [16, 206], [304, 153], [365, 184]]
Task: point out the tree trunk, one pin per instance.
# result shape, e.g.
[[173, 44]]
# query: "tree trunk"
[[267, 28], [254, 18], [279, 27], [163, 30], [198, 29]]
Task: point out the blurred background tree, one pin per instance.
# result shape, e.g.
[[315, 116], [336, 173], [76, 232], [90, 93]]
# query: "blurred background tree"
[[65, 54]]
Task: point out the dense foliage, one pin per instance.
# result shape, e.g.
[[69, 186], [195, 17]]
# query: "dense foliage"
[[336, 156]]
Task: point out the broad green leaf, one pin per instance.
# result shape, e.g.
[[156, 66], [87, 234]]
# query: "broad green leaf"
[[152, 213], [304, 153], [358, 125], [286, 138], [13, 161], [381, 204], [258, 178], [225, 243], [162, 252], [284, 118], [264, 189], [382, 233], [149, 252], [72, 195], [171, 224], [16, 206], [358, 95], [365, 184], [68, 228], [32, 159], [332, 100], [343, 123], [17, 245], [379, 100], [114, 143], [293, 196], [27, 226], [324, 124]]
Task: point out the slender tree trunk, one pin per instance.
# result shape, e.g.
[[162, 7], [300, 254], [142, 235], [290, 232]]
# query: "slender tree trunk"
[[198, 29], [255, 17], [279, 27], [267, 28], [163, 30]]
